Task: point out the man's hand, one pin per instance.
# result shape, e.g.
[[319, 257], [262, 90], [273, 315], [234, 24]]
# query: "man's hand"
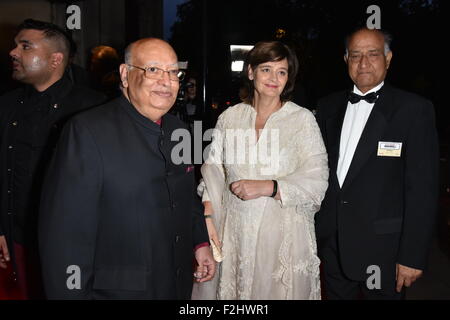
[[4, 253], [405, 276], [206, 265], [252, 189]]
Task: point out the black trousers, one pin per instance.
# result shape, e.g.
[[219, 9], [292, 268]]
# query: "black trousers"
[[337, 286]]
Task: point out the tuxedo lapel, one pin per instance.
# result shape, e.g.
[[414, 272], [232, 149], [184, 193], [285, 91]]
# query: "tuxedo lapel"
[[372, 134], [332, 135], [334, 128]]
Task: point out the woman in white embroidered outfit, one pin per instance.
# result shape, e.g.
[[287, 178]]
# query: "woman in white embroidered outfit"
[[263, 181]]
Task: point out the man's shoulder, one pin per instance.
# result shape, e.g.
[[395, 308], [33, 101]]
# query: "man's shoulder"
[[333, 97], [174, 120], [109, 113], [86, 95], [331, 102], [78, 88], [407, 98], [98, 115]]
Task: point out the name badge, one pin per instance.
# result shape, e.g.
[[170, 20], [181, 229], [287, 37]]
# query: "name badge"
[[389, 149]]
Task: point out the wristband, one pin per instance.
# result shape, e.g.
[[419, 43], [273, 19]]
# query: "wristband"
[[275, 188]]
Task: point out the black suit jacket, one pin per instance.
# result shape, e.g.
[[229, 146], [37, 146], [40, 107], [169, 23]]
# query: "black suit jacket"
[[385, 211], [115, 205]]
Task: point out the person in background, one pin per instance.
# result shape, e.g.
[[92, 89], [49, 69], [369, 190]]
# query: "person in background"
[[104, 71], [31, 118], [193, 107]]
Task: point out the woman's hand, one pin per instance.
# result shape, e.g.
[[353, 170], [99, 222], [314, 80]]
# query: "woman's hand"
[[252, 189], [212, 232]]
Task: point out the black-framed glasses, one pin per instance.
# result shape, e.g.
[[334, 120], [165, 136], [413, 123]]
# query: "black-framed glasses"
[[156, 73]]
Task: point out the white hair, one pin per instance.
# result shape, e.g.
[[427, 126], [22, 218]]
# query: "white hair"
[[127, 54], [387, 40]]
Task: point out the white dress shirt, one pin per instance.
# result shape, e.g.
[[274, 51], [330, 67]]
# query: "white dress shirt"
[[354, 122]]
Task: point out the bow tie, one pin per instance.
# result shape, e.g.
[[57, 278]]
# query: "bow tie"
[[370, 98]]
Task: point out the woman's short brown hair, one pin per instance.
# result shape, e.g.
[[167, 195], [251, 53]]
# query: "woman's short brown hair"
[[270, 51]]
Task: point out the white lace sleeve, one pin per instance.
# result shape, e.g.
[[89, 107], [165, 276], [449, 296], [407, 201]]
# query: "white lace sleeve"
[[215, 158], [212, 188], [215, 152], [307, 185]]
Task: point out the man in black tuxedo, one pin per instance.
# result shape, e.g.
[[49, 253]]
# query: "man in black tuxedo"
[[375, 225], [120, 218]]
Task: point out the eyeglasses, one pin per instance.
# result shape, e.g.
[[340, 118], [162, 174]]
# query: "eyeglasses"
[[371, 56], [156, 73]]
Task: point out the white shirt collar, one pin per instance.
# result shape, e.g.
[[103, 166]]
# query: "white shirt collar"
[[375, 89]]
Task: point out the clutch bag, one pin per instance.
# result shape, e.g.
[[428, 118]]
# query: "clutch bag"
[[217, 252]]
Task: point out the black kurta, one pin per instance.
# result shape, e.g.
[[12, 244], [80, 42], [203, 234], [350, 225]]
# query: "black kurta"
[[116, 205], [30, 124]]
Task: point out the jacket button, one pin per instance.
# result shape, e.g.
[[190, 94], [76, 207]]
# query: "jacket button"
[[10, 147], [15, 123], [178, 272], [344, 202], [174, 205], [177, 239]]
